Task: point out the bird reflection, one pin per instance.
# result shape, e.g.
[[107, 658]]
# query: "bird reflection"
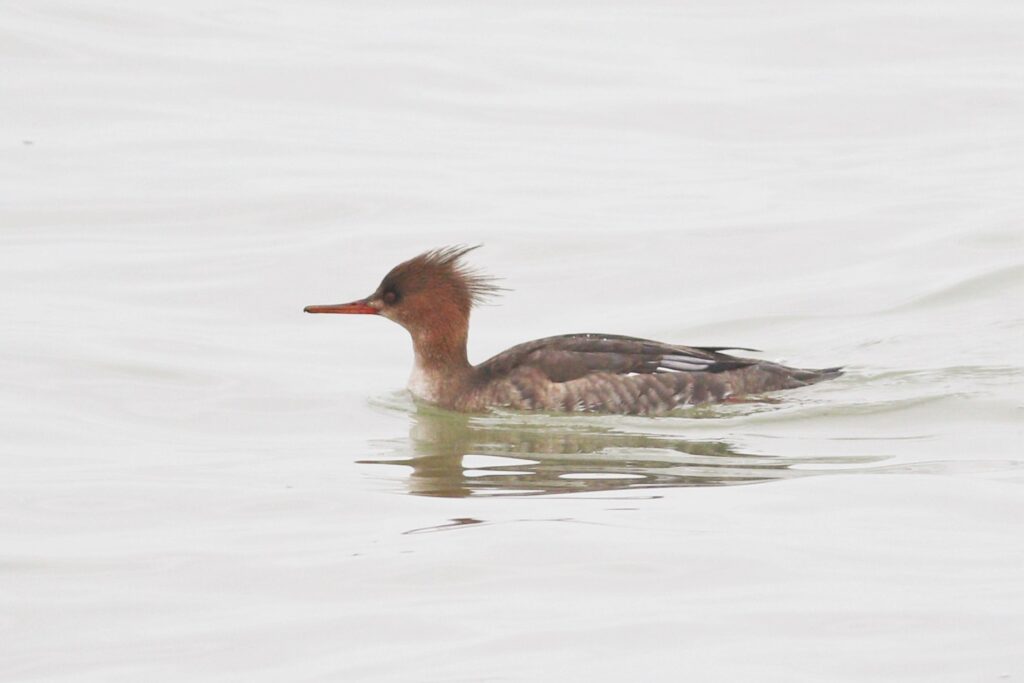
[[454, 455]]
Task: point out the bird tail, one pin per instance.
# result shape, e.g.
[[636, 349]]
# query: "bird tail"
[[808, 376]]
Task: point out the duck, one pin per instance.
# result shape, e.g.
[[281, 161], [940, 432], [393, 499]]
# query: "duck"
[[432, 295]]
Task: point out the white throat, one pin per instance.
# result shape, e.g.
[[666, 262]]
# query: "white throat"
[[420, 384]]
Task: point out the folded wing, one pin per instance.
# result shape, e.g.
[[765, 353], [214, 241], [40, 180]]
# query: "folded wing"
[[573, 356]]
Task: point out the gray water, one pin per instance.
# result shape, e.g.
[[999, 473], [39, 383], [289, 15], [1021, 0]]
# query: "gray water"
[[201, 483]]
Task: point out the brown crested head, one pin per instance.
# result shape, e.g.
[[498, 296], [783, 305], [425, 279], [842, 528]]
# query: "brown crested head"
[[434, 284], [432, 291]]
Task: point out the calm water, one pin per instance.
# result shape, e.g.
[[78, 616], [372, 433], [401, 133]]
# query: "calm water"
[[201, 483]]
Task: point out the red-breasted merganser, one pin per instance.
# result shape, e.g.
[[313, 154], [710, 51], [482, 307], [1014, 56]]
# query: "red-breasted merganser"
[[431, 296]]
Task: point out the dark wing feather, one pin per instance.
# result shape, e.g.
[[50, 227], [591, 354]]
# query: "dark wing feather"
[[572, 356]]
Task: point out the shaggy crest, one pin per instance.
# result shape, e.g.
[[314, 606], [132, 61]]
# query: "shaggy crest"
[[445, 265]]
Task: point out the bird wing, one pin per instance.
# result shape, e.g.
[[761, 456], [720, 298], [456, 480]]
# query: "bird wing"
[[572, 356]]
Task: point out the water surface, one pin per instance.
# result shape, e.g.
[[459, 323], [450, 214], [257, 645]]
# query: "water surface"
[[201, 483]]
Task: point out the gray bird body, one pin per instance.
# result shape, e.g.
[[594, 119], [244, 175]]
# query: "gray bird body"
[[596, 373]]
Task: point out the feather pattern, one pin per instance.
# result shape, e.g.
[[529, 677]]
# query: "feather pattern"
[[618, 374]]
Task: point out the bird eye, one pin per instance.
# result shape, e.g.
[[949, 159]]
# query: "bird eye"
[[390, 297]]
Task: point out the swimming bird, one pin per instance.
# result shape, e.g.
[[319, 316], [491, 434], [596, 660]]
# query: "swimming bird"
[[431, 296]]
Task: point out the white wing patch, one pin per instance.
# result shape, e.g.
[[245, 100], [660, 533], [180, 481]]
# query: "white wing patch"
[[682, 364]]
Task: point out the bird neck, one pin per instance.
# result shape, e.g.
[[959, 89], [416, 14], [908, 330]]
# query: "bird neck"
[[442, 368], [441, 350]]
